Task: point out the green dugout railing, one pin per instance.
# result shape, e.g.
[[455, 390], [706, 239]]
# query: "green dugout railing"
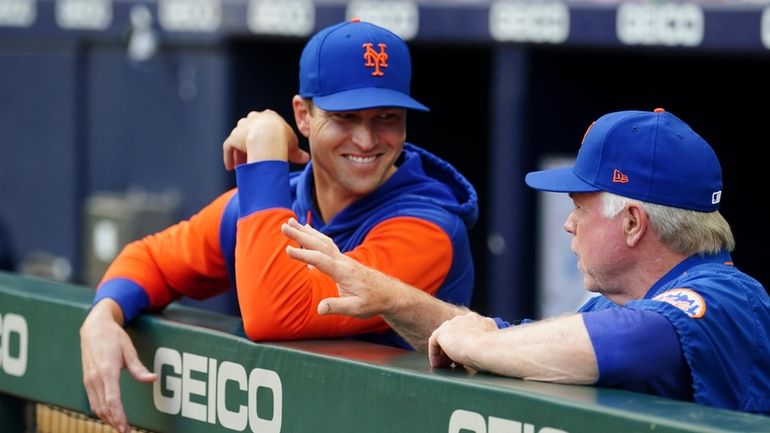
[[215, 380]]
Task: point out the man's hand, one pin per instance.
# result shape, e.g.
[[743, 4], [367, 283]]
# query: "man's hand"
[[364, 292], [106, 349], [262, 136], [455, 340]]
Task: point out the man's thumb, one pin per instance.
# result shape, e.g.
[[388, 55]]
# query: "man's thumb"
[[139, 371], [325, 306], [337, 306]]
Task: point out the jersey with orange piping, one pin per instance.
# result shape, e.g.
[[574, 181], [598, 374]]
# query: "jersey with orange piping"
[[413, 227]]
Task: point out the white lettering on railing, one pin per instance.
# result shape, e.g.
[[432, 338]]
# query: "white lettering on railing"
[[468, 421], [14, 364], [181, 390]]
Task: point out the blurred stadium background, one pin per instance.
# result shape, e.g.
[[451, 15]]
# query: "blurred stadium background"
[[112, 114]]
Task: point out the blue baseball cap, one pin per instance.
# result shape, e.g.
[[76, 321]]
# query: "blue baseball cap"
[[356, 65], [649, 156]]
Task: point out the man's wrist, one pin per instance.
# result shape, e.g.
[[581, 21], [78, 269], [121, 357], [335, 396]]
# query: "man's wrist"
[[272, 153], [108, 307], [405, 298], [398, 298]]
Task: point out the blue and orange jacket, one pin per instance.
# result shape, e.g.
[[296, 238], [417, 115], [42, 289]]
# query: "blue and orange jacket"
[[413, 227]]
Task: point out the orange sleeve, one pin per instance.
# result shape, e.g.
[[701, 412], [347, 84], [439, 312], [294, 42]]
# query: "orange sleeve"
[[279, 296], [184, 259]]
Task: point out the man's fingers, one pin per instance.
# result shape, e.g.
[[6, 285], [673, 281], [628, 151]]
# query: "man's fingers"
[[303, 237], [94, 390], [233, 148], [307, 229], [299, 156], [113, 413], [436, 355], [436, 358], [238, 158], [97, 383], [316, 259], [433, 348], [227, 158], [296, 154], [309, 237], [349, 306], [229, 153], [233, 158]]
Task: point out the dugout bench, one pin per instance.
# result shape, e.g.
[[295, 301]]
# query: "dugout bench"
[[213, 379]]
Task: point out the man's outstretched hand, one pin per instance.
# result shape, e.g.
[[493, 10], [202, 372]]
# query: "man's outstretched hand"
[[106, 349], [363, 291]]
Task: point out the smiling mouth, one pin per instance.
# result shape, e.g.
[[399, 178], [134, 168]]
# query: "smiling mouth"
[[361, 159]]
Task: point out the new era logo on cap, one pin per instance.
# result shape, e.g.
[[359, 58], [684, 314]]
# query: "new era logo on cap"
[[356, 65], [619, 177], [650, 156]]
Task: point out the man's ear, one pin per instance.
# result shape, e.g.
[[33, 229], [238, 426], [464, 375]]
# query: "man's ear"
[[301, 114], [635, 223]]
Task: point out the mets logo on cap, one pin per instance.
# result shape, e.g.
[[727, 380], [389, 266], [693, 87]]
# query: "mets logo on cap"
[[375, 59], [686, 300]]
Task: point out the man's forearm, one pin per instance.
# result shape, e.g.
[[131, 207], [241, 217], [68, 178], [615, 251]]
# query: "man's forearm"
[[554, 350], [414, 314]]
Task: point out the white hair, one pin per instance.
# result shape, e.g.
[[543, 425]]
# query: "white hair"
[[682, 230]]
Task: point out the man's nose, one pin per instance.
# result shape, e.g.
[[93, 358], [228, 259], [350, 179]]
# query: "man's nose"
[[365, 136], [569, 225]]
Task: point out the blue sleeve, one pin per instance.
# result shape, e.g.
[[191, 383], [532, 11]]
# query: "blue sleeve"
[[638, 350], [263, 185], [502, 324], [130, 296]]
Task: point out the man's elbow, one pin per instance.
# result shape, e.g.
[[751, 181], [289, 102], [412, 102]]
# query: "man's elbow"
[[260, 330], [271, 326]]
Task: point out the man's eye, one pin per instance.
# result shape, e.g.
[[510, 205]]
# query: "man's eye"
[[388, 116], [343, 116]]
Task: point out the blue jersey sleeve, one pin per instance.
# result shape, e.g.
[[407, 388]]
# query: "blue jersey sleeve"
[[638, 350], [129, 295], [502, 324]]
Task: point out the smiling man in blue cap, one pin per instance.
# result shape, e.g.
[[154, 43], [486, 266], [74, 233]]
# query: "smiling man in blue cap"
[[674, 318], [379, 199]]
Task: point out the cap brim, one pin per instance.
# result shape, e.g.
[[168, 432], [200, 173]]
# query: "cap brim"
[[558, 180], [366, 98]]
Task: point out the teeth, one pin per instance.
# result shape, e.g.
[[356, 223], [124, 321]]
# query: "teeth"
[[361, 159]]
